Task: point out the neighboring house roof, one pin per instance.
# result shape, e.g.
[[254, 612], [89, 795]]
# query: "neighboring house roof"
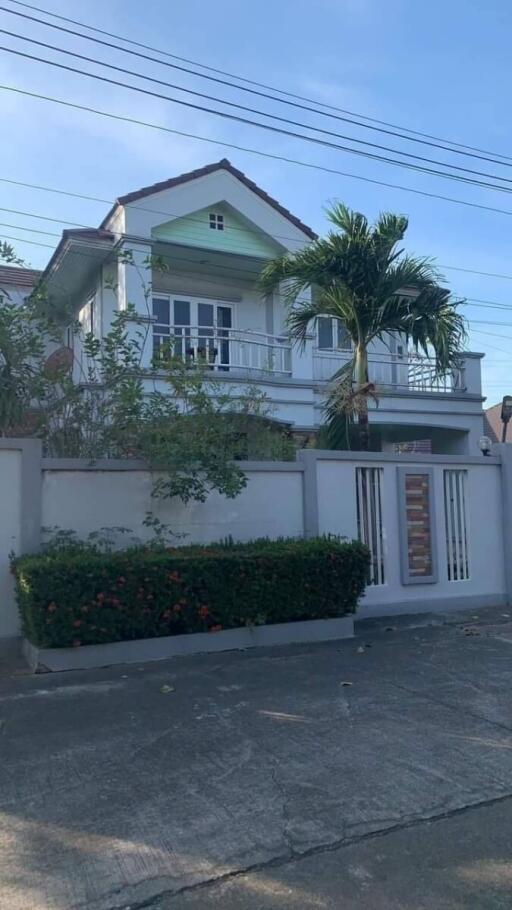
[[493, 426], [19, 277], [224, 165]]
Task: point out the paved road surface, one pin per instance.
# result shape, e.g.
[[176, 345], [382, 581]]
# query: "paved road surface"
[[262, 781]]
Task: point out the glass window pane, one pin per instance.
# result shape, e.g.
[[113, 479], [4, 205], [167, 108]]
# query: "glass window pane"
[[343, 341], [205, 314], [325, 333], [181, 312], [161, 310], [224, 317]]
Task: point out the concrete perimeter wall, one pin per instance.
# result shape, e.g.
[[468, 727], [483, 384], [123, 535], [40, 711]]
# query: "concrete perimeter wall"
[[454, 555]]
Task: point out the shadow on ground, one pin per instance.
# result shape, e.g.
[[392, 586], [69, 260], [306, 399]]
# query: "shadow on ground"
[[336, 776]]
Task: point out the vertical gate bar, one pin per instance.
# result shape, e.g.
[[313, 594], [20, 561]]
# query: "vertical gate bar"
[[378, 522], [463, 480], [448, 523], [456, 503]]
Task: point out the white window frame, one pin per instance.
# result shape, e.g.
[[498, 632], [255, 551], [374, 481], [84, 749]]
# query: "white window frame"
[[194, 336], [216, 221], [86, 316], [336, 325]]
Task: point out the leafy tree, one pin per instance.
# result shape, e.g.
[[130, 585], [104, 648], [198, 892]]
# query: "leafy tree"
[[193, 434], [360, 276]]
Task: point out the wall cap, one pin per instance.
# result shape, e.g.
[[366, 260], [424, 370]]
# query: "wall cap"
[[125, 464], [390, 458]]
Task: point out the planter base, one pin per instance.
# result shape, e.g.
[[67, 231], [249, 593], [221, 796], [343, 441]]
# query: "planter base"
[[145, 649]]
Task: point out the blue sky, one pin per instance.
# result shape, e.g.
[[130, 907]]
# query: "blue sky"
[[443, 69]]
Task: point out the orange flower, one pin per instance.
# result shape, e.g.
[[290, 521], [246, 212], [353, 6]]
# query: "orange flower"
[[204, 611], [216, 628]]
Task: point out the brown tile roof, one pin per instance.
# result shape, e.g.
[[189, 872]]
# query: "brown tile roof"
[[19, 277], [493, 426], [225, 165]]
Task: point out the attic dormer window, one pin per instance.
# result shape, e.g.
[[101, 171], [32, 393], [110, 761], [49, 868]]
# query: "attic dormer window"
[[216, 221]]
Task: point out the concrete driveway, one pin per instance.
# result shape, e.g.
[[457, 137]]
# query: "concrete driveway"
[[329, 776]]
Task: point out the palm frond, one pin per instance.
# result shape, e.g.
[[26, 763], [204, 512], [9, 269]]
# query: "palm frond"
[[361, 276], [300, 318], [354, 224]]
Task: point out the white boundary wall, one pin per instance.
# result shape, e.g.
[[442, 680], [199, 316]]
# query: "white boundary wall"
[[314, 495]]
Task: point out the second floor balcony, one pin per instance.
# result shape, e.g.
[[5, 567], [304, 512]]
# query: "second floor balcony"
[[257, 355], [407, 372]]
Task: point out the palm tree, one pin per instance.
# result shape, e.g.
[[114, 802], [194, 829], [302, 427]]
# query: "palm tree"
[[360, 276]]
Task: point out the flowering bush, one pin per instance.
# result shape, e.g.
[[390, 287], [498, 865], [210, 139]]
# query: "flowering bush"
[[83, 596]]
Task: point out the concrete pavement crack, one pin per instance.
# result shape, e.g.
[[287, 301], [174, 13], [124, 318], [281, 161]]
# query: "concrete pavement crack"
[[152, 903], [451, 707]]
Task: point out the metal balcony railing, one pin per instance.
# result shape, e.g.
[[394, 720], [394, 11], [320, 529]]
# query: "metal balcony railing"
[[225, 349], [409, 372]]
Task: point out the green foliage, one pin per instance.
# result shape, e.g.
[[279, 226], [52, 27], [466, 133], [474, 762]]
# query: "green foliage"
[[361, 276], [80, 595], [175, 416], [8, 254]]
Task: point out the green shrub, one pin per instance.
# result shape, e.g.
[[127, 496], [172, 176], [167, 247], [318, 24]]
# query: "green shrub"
[[80, 596]]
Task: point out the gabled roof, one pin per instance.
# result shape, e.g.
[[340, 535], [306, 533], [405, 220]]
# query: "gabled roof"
[[19, 277], [222, 165]]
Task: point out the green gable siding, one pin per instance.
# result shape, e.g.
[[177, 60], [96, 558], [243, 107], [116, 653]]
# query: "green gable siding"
[[238, 235]]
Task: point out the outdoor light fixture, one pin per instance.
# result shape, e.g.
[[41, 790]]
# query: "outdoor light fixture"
[[485, 445], [506, 414]]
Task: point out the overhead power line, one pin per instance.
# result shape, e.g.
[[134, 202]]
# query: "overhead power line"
[[459, 268], [179, 259], [78, 224], [236, 118], [233, 104], [241, 148], [399, 131], [279, 130]]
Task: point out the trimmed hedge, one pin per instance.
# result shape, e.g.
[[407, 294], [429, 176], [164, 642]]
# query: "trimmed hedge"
[[82, 596]]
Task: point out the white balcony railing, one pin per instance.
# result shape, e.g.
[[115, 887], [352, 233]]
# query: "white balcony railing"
[[406, 372], [227, 350]]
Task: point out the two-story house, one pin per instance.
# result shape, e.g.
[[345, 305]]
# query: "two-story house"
[[215, 229]]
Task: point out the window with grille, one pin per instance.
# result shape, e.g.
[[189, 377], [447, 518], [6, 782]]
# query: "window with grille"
[[216, 221], [370, 526], [455, 512]]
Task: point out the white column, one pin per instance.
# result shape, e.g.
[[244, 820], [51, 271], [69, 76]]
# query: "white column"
[[134, 276], [302, 357]]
